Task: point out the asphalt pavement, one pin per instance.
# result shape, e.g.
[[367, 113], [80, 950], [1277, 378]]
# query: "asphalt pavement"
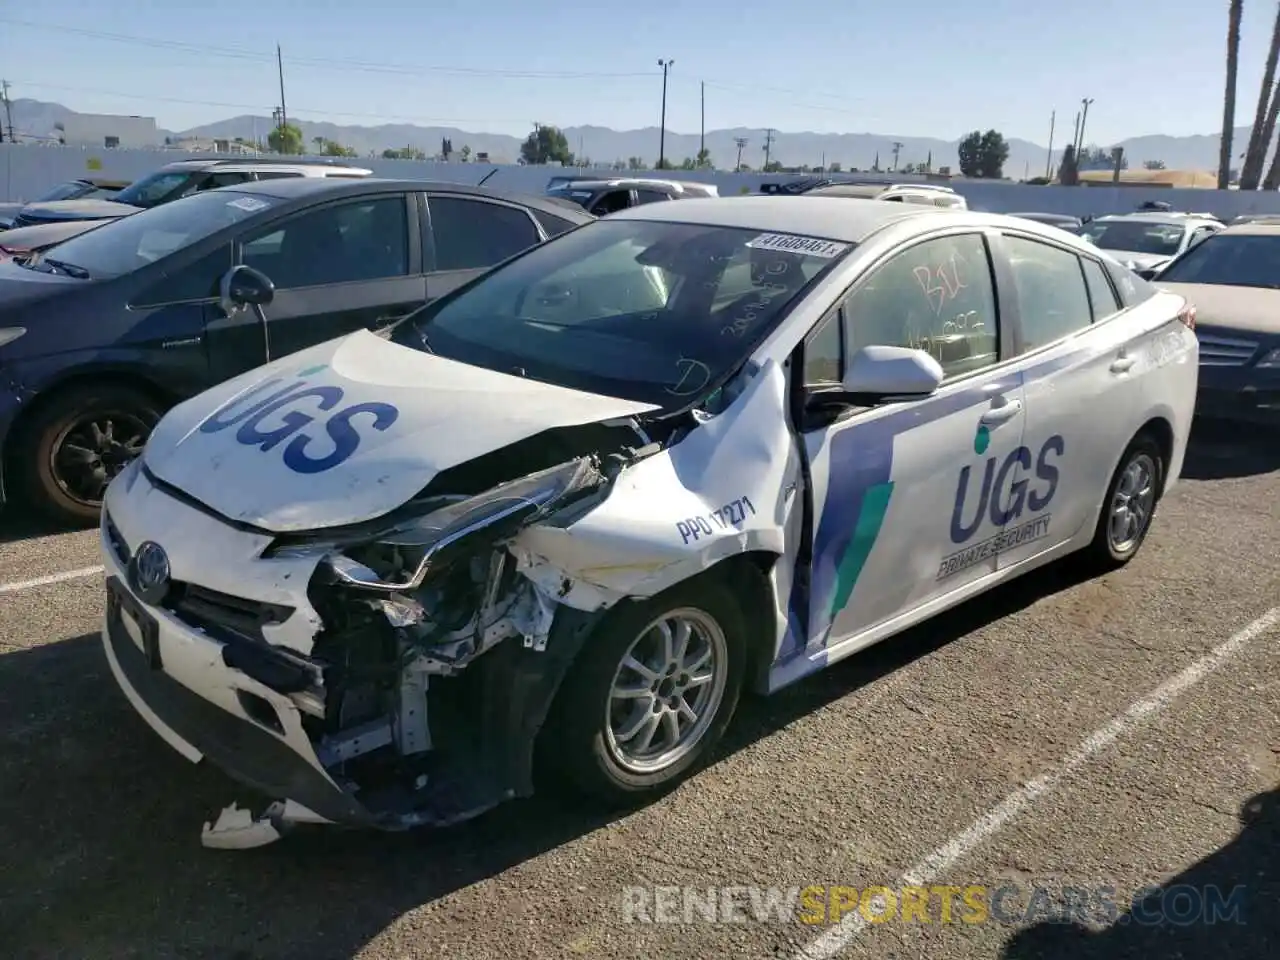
[[1044, 751]]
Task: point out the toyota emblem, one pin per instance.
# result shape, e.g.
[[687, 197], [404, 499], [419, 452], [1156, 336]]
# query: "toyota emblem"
[[150, 570]]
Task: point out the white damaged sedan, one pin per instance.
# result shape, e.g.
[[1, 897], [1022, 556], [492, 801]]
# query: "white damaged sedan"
[[570, 511]]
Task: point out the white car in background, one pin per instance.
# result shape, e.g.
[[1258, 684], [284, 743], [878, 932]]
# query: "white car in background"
[[1145, 242], [585, 501]]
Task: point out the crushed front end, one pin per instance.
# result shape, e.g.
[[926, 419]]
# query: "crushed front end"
[[389, 675]]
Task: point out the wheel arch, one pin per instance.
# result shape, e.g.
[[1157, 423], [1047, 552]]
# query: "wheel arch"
[[47, 395]]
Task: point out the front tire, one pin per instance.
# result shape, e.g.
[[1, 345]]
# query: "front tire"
[[1129, 506], [74, 446], [651, 694]]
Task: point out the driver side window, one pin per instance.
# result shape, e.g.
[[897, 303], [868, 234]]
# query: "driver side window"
[[936, 296]]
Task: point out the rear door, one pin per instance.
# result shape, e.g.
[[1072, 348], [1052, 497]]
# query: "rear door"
[[1081, 391], [464, 236], [344, 266]]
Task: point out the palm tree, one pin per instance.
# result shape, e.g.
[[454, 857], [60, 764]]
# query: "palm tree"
[[1264, 121], [1229, 95]]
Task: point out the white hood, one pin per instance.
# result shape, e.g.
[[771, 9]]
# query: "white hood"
[[349, 430]]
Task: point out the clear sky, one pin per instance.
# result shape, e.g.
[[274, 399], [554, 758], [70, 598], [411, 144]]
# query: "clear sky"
[[929, 68]]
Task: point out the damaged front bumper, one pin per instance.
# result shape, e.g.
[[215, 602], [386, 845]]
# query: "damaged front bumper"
[[353, 732]]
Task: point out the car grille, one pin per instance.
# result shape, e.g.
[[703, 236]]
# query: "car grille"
[[206, 609], [1225, 352]]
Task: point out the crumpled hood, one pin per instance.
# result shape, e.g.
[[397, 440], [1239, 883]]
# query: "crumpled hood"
[[78, 210], [349, 430], [1250, 309]]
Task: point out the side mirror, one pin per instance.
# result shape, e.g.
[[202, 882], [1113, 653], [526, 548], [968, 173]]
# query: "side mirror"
[[1148, 273], [244, 286], [876, 373]]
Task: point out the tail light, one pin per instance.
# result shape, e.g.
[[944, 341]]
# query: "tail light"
[[1187, 316]]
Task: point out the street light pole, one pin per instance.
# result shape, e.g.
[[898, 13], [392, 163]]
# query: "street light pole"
[[662, 133], [1084, 118]]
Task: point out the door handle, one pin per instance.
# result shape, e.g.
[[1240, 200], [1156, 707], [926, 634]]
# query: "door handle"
[[1002, 413], [1122, 364]]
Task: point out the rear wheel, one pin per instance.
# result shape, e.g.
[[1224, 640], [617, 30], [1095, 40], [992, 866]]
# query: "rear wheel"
[[76, 445], [651, 694], [1129, 506]]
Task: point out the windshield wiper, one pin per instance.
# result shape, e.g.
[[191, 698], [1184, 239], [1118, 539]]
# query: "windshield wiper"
[[70, 269]]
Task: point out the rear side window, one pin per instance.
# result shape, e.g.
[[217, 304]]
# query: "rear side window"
[[554, 225], [275, 174], [1101, 296], [651, 196], [1053, 301], [472, 234]]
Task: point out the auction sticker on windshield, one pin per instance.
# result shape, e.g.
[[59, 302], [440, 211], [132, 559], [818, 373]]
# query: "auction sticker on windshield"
[[790, 243]]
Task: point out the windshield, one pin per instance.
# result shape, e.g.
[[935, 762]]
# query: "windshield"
[[67, 191], [1136, 236], [648, 311], [129, 243], [1243, 260], [153, 190]]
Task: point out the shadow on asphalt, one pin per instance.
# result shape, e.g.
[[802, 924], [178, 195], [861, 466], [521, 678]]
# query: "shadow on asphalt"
[[99, 820], [17, 523], [1225, 906], [1220, 450]]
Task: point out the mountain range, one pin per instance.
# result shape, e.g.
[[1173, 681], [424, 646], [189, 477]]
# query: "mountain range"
[[602, 144]]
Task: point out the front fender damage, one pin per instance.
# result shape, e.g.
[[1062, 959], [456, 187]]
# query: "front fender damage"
[[435, 687]]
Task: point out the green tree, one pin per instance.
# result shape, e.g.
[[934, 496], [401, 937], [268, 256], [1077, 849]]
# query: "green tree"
[[983, 154], [465, 154], [688, 163], [773, 166], [1153, 165], [704, 160], [331, 148], [285, 138], [635, 163], [546, 145], [1068, 172], [664, 164], [834, 168]]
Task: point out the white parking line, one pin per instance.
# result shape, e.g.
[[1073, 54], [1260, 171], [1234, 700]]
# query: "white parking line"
[[835, 940], [52, 578]]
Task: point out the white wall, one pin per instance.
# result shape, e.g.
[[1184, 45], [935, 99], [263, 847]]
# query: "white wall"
[[28, 170], [91, 130]]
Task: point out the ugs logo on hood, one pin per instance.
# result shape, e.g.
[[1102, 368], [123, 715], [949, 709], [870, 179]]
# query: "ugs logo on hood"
[[298, 455]]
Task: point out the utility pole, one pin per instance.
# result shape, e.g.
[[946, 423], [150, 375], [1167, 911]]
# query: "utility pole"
[[8, 110], [1084, 118], [897, 148], [662, 133], [768, 144], [702, 129], [1048, 161], [284, 113], [742, 144], [537, 142]]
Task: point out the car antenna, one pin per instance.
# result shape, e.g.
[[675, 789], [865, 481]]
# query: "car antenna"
[[487, 176]]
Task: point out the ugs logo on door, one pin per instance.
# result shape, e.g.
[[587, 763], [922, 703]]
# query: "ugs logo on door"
[[1002, 511], [258, 427]]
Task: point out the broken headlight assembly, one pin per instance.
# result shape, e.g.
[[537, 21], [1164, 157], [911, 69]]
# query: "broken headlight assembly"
[[398, 552]]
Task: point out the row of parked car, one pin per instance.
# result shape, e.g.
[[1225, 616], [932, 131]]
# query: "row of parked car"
[[177, 296]]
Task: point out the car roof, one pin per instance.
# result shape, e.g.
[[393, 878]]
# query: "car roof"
[[252, 164], [1170, 217], [831, 218], [296, 188], [1262, 228]]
